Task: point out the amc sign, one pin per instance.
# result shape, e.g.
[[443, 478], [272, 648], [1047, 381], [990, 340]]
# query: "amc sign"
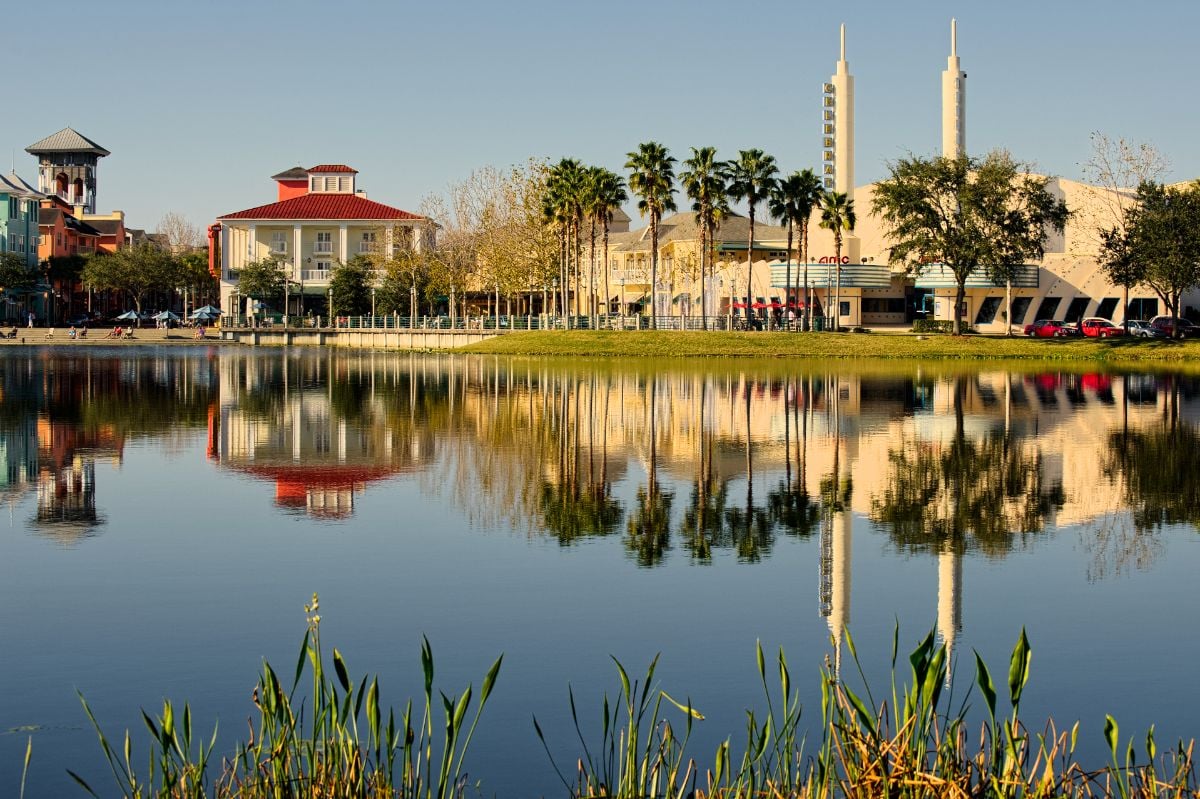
[[832, 259]]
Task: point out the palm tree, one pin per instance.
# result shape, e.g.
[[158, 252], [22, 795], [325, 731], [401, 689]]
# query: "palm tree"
[[608, 195], [751, 178], [704, 182], [590, 204], [837, 214], [652, 179], [809, 198], [784, 205], [564, 205]]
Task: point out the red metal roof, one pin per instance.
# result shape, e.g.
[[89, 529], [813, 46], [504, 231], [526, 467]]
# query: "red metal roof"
[[323, 206], [332, 168]]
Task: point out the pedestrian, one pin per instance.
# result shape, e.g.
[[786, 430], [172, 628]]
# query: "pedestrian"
[[30, 319]]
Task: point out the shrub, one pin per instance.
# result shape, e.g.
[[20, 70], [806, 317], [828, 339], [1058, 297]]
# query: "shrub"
[[938, 326]]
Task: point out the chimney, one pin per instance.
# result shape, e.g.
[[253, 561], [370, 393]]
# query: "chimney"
[[360, 193]]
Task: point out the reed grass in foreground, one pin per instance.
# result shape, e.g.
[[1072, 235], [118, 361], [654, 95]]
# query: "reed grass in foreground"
[[677, 344], [909, 743]]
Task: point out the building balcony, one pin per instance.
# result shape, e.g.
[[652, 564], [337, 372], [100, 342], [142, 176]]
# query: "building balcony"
[[323, 247], [279, 248], [315, 275], [367, 247]]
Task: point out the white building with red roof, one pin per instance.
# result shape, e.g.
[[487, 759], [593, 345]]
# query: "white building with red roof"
[[319, 219]]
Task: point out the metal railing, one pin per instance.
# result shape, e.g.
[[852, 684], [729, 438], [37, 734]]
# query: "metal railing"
[[512, 322]]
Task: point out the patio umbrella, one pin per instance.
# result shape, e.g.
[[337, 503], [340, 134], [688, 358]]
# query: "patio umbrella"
[[166, 315], [205, 317], [128, 316], [207, 309]]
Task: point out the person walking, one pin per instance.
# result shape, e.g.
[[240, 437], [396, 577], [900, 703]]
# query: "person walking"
[[30, 319]]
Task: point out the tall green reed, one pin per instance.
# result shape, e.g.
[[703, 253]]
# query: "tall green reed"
[[311, 746]]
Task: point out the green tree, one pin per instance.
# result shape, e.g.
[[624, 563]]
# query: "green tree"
[[652, 180], [15, 275], [1120, 265], [194, 277], [967, 214], [704, 182], [262, 280], [751, 178], [133, 271], [351, 286], [1164, 239], [837, 215]]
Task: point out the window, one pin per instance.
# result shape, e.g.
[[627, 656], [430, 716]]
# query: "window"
[[314, 184], [279, 241], [987, 310], [1048, 307], [344, 184], [367, 244], [331, 184], [1076, 309], [324, 241], [1107, 307], [322, 266], [1020, 307], [844, 308], [894, 305], [1142, 308]]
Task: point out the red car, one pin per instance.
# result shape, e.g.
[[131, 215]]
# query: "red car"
[[1048, 328], [1100, 328]]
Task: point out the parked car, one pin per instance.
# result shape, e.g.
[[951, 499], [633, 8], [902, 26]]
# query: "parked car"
[[1140, 328], [1048, 328], [1095, 327], [1168, 325]]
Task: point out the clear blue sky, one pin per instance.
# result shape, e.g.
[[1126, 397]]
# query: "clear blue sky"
[[200, 102]]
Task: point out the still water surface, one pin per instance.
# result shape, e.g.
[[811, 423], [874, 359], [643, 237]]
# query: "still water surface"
[[170, 512]]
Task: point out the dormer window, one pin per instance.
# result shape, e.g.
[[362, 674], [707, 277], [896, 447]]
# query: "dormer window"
[[331, 180]]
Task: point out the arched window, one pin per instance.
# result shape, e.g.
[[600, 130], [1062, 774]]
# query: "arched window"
[[78, 190], [61, 184]]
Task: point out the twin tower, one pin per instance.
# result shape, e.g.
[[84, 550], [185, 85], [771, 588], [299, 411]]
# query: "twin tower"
[[838, 125]]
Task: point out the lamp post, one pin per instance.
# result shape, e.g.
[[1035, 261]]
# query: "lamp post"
[[554, 284], [372, 306], [332, 321]]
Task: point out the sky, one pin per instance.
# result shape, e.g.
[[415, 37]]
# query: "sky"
[[201, 102]]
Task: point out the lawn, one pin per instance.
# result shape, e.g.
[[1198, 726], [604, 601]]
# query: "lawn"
[[699, 344]]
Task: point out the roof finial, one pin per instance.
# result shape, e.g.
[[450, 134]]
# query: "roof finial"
[[953, 36], [843, 41]]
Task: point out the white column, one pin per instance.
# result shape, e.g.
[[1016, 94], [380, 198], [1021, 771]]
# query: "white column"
[[252, 244], [297, 255], [342, 243], [389, 238]]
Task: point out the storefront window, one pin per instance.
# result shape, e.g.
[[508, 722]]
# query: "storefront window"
[[987, 310], [1048, 307], [1076, 309], [1020, 307]]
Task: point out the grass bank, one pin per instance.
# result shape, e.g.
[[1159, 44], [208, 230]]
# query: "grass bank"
[[719, 344], [331, 735]]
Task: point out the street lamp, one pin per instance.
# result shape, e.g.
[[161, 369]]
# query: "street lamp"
[[332, 321], [372, 306]]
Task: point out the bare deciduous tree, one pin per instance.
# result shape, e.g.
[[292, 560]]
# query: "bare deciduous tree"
[[181, 235]]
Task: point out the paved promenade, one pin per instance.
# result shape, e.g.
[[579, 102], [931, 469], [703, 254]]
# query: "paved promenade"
[[98, 337]]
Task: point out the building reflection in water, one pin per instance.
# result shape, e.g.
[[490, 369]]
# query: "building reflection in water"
[[705, 465], [64, 413], [321, 428]]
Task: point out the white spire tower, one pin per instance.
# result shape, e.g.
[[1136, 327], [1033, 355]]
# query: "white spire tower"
[[839, 126], [954, 101]]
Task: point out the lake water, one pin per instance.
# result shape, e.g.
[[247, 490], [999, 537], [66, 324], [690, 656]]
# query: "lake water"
[[170, 511]]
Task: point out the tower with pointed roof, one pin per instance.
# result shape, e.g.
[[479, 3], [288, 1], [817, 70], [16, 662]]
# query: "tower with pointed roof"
[[954, 101], [67, 163]]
